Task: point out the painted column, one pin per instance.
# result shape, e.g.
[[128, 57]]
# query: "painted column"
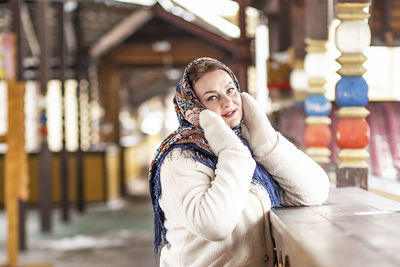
[[317, 107], [353, 35], [316, 65]]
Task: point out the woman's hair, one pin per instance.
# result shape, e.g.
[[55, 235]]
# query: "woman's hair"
[[198, 70]]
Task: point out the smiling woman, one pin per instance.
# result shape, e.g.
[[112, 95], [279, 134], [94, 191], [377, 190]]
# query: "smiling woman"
[[214, 180]]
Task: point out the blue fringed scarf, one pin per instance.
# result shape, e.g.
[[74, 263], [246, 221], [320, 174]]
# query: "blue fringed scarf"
[[190, 137]]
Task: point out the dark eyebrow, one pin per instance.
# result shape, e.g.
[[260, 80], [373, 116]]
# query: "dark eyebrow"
[[208, 92], [228, 84]]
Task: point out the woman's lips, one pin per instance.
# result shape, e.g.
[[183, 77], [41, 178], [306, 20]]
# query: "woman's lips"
[[229, 114]]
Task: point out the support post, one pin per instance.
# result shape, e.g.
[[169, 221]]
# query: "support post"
[[298, 77], [80, 198], [65, 214], [353, 35], [44, 155], [242, 56], [317, 107]]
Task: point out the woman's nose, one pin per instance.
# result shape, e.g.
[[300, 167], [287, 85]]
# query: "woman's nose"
[[226, 101]]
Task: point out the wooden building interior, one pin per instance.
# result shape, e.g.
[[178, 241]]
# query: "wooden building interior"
[[104, 65]]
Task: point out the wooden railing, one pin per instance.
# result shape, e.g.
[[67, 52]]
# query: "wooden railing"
[[353, 228]]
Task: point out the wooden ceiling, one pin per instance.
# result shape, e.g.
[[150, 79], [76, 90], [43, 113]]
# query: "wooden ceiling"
[[123, 36]]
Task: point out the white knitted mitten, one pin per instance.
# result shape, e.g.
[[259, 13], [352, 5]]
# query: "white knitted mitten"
[[218, 134], [257, 129]]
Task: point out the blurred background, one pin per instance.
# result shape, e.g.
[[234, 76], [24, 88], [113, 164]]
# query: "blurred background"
[[86, 92]]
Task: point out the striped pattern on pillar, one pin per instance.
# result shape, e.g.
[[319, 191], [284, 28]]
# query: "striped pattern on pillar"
[[353, 35], [317, 106]]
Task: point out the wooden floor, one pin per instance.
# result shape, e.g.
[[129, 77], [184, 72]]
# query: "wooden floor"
[[101, 237]]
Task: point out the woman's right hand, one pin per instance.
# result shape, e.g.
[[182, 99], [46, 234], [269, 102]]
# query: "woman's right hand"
[[218, 134], [257, 129]]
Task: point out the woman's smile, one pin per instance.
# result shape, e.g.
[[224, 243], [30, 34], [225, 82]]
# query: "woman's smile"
[[230, 114]]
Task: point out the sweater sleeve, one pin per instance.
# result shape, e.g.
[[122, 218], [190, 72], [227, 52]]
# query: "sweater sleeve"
[[302, 180], [206, 202]]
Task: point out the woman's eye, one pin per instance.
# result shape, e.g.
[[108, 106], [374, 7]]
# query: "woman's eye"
[[213, 97], [231, 90]]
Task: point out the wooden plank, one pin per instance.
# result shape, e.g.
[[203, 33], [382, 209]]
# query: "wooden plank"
[[120, 32], [354, 228], [182, 51]]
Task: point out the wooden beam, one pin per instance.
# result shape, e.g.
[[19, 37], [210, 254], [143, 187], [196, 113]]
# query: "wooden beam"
[[182, 51], [3, 138], [224, 43], [120, 32]]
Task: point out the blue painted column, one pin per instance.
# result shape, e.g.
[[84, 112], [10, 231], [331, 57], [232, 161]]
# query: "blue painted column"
[[351, 94]]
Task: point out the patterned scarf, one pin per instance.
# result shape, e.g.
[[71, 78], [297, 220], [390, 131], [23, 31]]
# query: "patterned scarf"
[[190, 137]]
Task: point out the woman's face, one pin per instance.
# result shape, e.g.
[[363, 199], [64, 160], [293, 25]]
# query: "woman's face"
[[217, 92]]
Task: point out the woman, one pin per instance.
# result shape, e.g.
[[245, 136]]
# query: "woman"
[[214, 180]]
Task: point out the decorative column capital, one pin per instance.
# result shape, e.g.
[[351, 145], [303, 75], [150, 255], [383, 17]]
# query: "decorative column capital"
[[352, 11], [316, 46]]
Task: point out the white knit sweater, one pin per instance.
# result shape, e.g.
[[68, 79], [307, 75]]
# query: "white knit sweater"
[[218, 218]]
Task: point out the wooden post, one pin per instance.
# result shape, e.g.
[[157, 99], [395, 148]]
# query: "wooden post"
[[16, 7], [15, 162], [353, 35], [317, 107], [80, 198], [12, 167], [65, 216], [109, 81], [298, 76], [45, 154], [242, 55]]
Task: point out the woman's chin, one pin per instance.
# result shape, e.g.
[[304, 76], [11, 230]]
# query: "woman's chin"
[[232, 123]]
